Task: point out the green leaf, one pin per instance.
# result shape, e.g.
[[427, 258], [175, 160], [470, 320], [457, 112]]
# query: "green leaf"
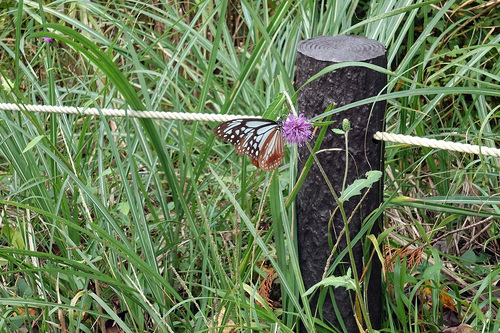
[[359, 184], [104, 173], [15, 237], [23, 288], [471, 257], [33, 143], [336, 281], [323, 123], [6, 84], [276, 105], [124, 208], [338, 131]]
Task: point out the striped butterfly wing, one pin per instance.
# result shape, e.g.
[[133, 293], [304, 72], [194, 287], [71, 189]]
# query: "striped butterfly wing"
[[260, 139], [272, 153]]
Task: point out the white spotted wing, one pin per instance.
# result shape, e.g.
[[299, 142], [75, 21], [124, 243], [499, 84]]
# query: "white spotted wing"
[[260, 139]]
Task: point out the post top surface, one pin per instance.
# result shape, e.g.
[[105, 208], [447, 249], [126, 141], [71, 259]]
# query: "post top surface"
[[341, 48]]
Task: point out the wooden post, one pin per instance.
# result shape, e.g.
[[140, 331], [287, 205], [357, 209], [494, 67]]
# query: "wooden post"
[[315, 203]]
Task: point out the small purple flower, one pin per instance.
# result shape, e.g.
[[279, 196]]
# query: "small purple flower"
[[297, 130], [48, 39]]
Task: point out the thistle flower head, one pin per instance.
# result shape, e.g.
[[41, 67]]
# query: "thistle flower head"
[[48, 39], [297, 130]]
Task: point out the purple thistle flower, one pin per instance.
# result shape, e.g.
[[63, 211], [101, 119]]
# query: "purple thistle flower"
[[48, 39], [297, 130]]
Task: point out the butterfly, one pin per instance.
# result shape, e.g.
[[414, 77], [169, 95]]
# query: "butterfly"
[[261, 139]]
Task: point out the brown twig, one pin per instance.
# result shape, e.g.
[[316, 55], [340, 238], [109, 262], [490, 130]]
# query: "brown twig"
[[460, 229]]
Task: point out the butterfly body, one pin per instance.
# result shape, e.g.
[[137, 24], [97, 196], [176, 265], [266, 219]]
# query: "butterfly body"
[[261, 139]]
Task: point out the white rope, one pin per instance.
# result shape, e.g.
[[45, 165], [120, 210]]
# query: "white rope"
[[439, 144], [121, 113], [384, 136]]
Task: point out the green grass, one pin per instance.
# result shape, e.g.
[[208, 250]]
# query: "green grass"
[[155, 226]]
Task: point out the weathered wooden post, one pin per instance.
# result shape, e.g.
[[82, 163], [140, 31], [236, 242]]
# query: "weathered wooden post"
[[315, 203]]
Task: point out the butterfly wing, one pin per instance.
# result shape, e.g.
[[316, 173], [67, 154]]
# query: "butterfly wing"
[[260, 139], [272, 152], [232, 131]]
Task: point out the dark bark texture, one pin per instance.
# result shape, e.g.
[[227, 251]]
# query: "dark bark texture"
[[315, 203]]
